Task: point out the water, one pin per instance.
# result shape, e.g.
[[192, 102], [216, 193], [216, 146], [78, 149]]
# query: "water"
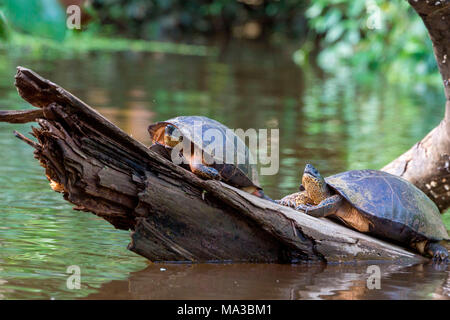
[[336, 123]]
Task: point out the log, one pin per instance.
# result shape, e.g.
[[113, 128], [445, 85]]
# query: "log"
[[427, 163], [172, 214]]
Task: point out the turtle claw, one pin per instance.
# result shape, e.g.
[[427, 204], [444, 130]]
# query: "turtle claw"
[[440, 257], [291, 204], [439, 253], [286, 202]]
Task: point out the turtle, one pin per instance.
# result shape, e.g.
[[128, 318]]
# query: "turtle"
[[193, 133], [374, 202]]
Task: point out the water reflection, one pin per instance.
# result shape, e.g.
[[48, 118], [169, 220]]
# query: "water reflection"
[[271, 281], [334, 122]]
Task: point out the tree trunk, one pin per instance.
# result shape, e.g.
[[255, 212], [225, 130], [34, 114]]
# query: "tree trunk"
[[427, 163], [173, 214]]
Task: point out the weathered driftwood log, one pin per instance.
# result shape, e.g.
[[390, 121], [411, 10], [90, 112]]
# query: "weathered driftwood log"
[[173, 215], [427, 163]]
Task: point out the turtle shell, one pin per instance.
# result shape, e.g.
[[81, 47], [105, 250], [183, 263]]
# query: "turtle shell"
[[397, 209], [237, 169]]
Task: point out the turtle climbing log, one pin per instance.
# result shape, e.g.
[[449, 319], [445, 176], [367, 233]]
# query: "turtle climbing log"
[[375, 202]]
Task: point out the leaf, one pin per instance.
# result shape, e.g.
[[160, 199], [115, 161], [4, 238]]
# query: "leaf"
[[334, 33], [44, 18], [314, 11]]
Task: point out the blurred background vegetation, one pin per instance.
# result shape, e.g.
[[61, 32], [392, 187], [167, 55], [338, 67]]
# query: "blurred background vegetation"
[[371, 36]]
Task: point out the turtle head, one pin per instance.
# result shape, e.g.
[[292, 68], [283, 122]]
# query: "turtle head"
[[172, 136], [315, 184]]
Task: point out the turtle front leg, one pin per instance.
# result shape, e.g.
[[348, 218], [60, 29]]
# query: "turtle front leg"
[[325, 208], [295, 199]]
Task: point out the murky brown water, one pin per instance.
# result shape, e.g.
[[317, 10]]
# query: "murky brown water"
[[334, 122], [272, 281]]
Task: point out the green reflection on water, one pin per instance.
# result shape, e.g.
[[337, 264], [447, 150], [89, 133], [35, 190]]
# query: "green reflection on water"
[[333, 122]]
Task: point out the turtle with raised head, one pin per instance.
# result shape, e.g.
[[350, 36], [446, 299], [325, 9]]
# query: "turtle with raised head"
[[375, 202], [190, 137]]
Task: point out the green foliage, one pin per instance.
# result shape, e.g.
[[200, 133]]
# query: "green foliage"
[[371, 35], [4, 30], [161, 19], [44, 18], [79, 44], [368, 37]]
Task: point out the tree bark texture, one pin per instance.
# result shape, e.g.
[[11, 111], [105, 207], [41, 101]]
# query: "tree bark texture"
[[427, 163]]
